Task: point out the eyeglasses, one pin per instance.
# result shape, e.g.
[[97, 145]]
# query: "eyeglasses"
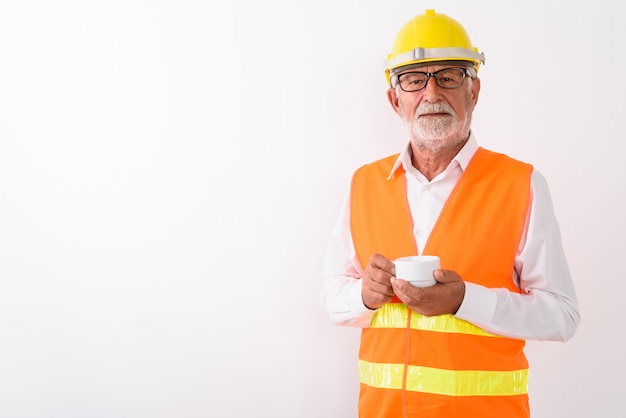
[[448, 78]]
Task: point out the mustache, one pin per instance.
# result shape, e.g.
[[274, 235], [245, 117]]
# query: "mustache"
[[427, 108]]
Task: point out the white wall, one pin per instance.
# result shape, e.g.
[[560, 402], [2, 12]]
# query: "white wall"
[[170, 173]]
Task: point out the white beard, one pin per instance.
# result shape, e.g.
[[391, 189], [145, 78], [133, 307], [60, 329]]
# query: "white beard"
[[438, 133]]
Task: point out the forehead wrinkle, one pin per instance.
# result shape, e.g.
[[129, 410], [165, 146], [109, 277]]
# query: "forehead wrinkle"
[[444, 64]]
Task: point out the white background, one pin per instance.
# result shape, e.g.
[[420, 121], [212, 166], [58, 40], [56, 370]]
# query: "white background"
[[170, 173]]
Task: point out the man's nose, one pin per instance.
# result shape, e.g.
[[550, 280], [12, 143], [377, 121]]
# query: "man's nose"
[[432, 89]]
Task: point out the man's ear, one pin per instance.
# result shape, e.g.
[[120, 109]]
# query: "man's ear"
[[475, 90], [393, 100]]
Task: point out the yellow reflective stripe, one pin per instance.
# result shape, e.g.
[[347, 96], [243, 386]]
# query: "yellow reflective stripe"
[[394, 315], [445, 382]]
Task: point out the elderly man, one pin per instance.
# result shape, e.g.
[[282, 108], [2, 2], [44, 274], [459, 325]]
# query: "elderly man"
[[454, 349]]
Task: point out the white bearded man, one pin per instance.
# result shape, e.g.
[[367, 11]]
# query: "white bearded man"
[[454, 349]]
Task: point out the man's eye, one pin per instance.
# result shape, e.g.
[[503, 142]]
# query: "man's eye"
[[414, 81]]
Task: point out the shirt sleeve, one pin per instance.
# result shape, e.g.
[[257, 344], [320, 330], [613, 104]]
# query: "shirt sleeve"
[[547, 306], [341, 287]]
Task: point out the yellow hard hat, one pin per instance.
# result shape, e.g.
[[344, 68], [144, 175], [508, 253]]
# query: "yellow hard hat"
[[431, 37]]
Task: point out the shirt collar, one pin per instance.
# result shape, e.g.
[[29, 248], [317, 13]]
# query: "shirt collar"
[[463, 157]]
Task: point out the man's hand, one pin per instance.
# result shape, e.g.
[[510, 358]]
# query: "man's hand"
[[376, 281], [444, 297]]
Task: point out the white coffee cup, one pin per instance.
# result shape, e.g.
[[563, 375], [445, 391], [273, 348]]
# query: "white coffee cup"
[[417, 270]]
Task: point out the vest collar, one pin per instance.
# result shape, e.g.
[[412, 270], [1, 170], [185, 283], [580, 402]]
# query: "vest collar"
[[463, 157]]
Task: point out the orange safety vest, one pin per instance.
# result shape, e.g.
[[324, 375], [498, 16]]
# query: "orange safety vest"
[[412, 365]]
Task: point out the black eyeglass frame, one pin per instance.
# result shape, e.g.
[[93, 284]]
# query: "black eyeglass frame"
[[466, 73]]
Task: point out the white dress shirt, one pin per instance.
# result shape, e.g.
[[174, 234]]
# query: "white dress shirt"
[[546, 308]]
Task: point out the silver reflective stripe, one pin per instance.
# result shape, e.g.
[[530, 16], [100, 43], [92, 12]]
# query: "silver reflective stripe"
[[432, 53]]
